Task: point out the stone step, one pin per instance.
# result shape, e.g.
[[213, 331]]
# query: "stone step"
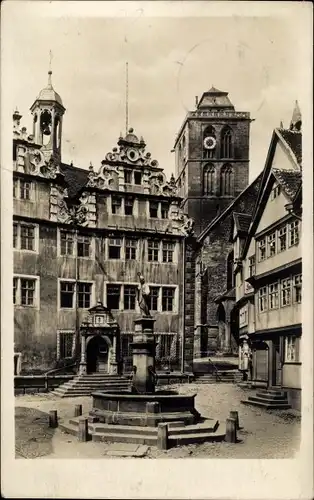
[[268, 400], [274, 397], [80, 392], [274, 392], [193, 438], [125, 438], [267, 406]]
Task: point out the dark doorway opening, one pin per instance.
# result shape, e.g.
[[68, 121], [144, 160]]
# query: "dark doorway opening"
[[97, 355], [276, 365]]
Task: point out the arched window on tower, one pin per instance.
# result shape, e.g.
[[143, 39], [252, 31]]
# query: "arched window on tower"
[[226, 143], [227, 181], [209, 142], [209, 179]]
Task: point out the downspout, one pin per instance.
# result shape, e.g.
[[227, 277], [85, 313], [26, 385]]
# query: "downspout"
[[183, 309]]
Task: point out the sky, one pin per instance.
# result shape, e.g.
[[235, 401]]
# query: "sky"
[[173, 55]]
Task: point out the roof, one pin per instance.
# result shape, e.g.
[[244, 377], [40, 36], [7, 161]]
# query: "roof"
[[242, 221], [213, 90], [294, 141], [228, 294], [255, 184], [289, 180], [75, 177], [48, 93], [215, 99]]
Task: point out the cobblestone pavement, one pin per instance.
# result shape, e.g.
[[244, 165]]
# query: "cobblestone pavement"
[[264, 434]]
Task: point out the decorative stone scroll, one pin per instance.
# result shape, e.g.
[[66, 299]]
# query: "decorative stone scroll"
[[159, 185], [179, 220], [83, 214], [105, 178]]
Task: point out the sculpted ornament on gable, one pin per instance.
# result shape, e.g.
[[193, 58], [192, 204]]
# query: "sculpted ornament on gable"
[[106, 177], [181, 221], [160, 186], [41, 163], [134, 155]]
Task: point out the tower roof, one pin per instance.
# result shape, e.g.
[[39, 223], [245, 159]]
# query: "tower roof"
[[48, 93], [215, 98], [296, 119]]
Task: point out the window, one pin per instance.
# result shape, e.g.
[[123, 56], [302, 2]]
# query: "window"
[[275, 192], [282, 239], [262, 299], [129, 297], [226, 181], [291, 353], [27, 237], [15, 188], [14, 290], [297, 288], [84, 292], [113, 296], [116, 202], [167, 251], [25, 190], [130, 248], [271, 244], [15, 235], [243, 316], [286, 292], [67, 243], [262, 249], [153, 250], [114, 248], [128, 206], [27, 292], [293, 233], [137, 178], [66, 346], [128, 176], [153, 209], [273, 296], [209, 180], [252, 265], [83, 246], [66, 294], [226, 143], [154, 295], [167, 298], [164, 210]]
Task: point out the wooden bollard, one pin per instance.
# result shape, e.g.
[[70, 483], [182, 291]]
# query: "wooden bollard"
[[162, 436], [235, 415], [78, 410], [83, 430], [53, 419], [231, 430]]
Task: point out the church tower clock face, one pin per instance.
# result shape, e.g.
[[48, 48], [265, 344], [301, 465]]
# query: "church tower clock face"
[[210, 142]]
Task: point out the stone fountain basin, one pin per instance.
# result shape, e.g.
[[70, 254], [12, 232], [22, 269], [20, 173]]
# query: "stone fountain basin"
[[148, 410]]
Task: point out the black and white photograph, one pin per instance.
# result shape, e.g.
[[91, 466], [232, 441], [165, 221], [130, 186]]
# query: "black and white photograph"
[[155, 229]]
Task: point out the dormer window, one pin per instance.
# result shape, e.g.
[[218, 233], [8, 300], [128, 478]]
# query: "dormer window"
[[116, 204], [153, 209], [138, 178], [128, 206], [128, 176]]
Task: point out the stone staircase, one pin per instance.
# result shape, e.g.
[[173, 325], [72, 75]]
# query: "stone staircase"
[[270, 399], [84, 385], [221, 376]]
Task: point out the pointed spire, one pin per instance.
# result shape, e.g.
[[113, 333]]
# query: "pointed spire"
[[50, 71], [296, 120], [281, 124]]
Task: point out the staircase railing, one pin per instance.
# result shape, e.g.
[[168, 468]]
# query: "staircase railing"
[[54, 371], [218, 377]]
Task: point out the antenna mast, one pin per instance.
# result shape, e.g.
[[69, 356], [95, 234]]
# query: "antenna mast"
[[126, 98]]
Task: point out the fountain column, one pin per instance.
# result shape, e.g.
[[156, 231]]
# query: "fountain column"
[[143, 347]]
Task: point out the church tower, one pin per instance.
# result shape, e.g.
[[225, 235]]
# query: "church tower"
[[47, 112], [212, 157]]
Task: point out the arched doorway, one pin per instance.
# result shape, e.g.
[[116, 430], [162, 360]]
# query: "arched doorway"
[[97, 354]]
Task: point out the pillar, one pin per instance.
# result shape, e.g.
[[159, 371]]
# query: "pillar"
[[82, 370], [143, 347]]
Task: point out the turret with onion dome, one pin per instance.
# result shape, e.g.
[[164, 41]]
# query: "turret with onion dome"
[[47, 111]]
